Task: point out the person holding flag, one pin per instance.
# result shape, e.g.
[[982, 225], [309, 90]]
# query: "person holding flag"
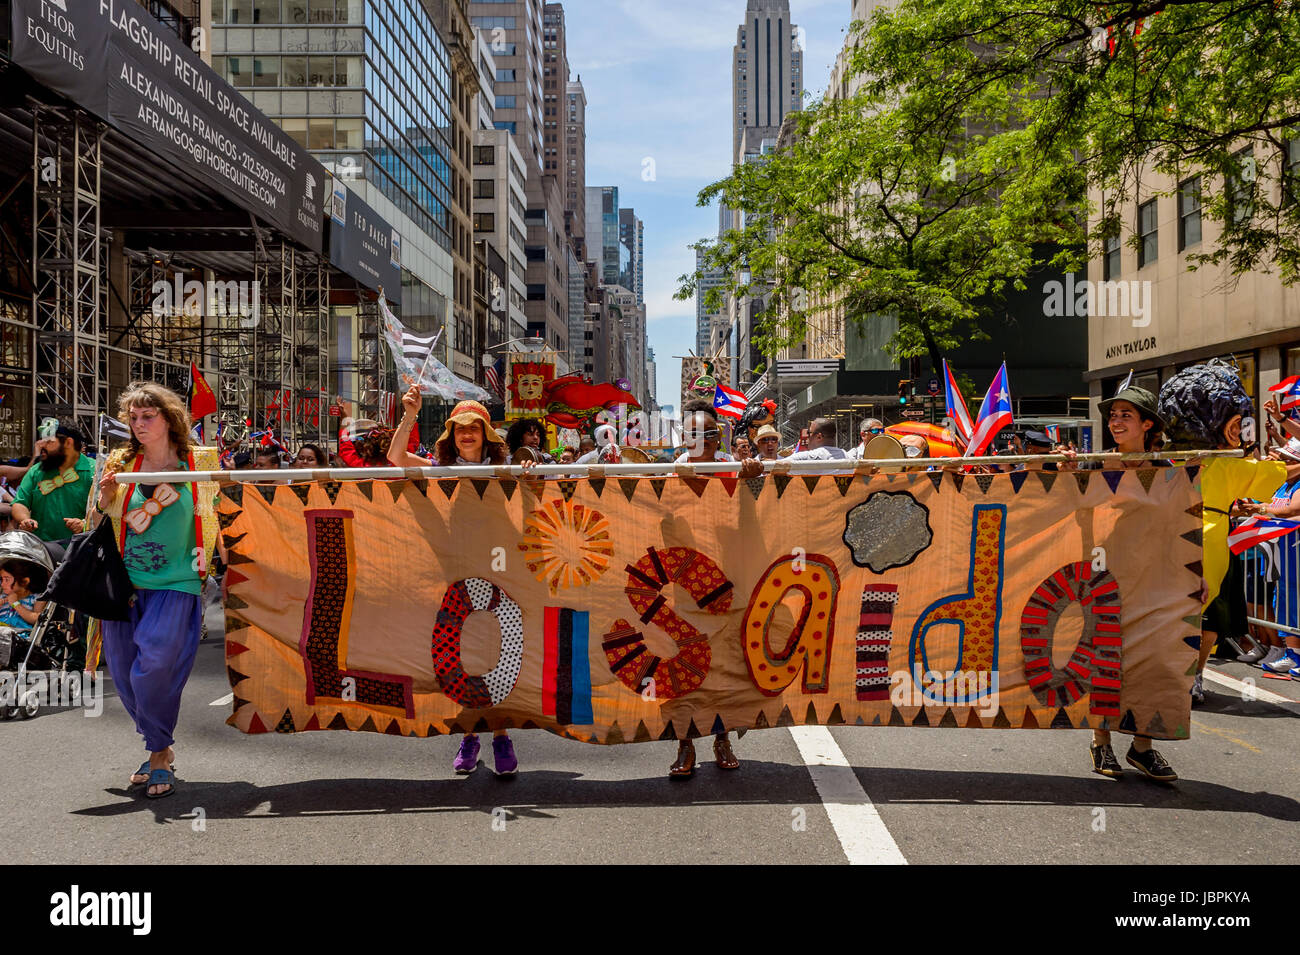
[[995, 414]]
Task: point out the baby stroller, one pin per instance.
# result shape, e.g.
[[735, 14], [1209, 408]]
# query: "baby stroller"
[[47, 646]]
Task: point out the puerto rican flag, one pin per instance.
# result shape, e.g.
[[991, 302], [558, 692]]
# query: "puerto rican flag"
[[1289, 399], [1256, 530], [995, 414], [957, 410], [728, 403]]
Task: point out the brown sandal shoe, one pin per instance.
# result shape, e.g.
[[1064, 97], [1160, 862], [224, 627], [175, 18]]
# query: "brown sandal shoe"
[[722, 753], [685, 764]]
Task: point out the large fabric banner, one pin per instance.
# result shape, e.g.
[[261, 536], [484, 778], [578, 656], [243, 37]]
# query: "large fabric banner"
[[620, 609]]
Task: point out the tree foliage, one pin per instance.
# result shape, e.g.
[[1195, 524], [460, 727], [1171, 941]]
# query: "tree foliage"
[[980, 128], [1179, 87]]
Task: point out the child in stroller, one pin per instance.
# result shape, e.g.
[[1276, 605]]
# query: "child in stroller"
[[25, 568], [19, 582]]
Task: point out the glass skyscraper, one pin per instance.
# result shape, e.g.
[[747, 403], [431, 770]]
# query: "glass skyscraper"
[[363, 84]]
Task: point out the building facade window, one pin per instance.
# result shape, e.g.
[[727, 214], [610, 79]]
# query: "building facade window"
[[1148, 233], [484, 222], [1110, 260], [484, 188], [1189, 212]]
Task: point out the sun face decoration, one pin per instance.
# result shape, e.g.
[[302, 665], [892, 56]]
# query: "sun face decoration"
[[528, 385], [567, 545]]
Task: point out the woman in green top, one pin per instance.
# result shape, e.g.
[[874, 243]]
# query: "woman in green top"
[[150, 655]]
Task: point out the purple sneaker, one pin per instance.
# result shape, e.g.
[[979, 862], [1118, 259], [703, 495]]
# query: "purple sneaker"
[[503, 752], [467, 756]]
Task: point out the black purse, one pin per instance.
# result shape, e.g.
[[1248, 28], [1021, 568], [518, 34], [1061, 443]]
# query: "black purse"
[[92, 578]]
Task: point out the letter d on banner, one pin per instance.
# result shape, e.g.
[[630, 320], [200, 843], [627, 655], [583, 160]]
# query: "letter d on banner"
[[977, 614]]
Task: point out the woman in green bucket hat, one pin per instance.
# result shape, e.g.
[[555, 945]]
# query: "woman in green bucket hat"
[[1136, 428]]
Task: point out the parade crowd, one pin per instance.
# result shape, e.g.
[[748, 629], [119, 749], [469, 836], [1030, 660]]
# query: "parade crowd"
[[1250, 600]]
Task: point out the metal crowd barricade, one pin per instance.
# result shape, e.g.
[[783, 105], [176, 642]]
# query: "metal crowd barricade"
[[1271, 582]]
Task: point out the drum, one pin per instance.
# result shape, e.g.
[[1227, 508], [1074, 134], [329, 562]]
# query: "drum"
[[885, 447]]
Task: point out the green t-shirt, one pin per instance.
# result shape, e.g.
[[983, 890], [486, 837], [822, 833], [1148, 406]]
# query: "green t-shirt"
[[162, 557], [49, 504]]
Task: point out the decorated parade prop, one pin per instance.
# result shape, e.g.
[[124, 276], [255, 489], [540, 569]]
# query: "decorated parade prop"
[[533, 390], [616, 608]]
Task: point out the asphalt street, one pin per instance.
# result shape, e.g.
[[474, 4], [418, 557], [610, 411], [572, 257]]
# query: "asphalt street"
[[872, 795]]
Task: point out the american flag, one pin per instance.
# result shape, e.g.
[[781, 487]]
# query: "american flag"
[[729, 403], [492, 375], [1256, 530], [995, 414]]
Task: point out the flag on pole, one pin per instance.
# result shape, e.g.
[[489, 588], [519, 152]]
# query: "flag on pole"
[[416, 364], [417, 347], [728, 403], [492, 375], [1054, 433], [202, 400], [113, 429], [1288, 393], [1256, 530], [958, 413], [995, 414]]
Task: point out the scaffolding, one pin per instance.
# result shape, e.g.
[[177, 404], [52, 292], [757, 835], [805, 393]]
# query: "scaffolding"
[[107, 307], [67, 254]]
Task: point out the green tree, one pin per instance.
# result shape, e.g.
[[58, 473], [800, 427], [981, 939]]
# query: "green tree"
[[1180, 87], [913, 198]]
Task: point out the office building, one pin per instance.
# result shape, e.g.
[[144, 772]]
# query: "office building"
[[766, 71]]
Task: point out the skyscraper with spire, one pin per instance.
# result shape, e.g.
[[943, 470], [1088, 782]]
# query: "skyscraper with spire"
[[766, 72]]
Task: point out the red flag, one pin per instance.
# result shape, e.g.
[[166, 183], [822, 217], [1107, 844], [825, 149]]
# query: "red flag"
[[202, 400]]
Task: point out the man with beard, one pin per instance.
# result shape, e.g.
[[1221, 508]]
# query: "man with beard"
[[51, 500]]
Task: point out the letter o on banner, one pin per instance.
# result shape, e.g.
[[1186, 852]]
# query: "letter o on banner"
[[819, 582], [462, 599], [1096, 659]]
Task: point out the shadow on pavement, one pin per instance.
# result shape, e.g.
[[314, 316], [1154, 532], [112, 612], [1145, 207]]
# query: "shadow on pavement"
[[532, 794]]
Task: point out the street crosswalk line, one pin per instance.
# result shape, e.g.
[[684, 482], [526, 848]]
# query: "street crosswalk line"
[[862, 833], [224, 701], [1238, 686]]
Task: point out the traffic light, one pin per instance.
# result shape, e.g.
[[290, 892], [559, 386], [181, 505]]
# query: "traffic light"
[[904, 388]]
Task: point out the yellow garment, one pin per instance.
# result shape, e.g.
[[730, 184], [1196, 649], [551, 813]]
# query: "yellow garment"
[[205, 459], [1224, 480]]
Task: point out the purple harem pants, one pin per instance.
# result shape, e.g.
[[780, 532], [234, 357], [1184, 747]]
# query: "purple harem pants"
[[150, 657]]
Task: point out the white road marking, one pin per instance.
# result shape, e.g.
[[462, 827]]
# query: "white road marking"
[[1261, 694], [224, 701], [857, 824]]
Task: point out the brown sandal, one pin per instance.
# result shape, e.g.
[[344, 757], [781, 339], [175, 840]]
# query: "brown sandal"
[[685, 764], [722, 753]]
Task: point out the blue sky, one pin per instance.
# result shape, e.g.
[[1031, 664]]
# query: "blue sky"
[[658, 79]]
